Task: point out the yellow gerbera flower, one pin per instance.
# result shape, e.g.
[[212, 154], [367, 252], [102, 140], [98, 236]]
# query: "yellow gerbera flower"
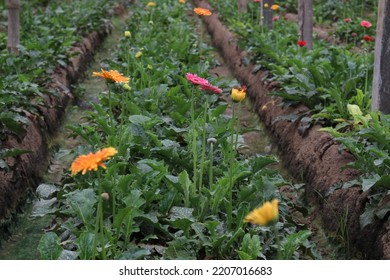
[[265, 214], [151, 4], [92, 161], [202, 12], [238, 94], [275, 7], [111, 75]]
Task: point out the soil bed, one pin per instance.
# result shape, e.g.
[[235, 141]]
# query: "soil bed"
[[314, 156]]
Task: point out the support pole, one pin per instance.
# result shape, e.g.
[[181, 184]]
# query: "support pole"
[[268, 14], [242, 6], [13, 25], [381, 80], [305, 16]]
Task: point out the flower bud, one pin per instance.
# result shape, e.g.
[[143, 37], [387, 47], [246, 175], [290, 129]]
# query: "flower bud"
[[126, 87], [138, 54], [105, 196]]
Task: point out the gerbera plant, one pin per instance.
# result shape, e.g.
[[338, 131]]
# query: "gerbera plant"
[[203, 85]]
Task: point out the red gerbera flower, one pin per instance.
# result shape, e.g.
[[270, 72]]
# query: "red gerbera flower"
[[368, 38], [301, 43]]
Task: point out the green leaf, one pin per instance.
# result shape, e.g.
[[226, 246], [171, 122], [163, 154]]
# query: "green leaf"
[[367, 183], [82, 203], [134, 253], [185, 184], [139, 119], [68, 255], [367, 217], [11, 124], [293, 242], [49, 246], [250, 247], [85, 246], [167, 201], [13, 152]]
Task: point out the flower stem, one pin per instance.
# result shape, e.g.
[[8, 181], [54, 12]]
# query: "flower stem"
[[232, 155], [211, 179], [99, 222], [111, 117], [279, 253], [238, 126], [366, 64], [203, 147], [194, 149]]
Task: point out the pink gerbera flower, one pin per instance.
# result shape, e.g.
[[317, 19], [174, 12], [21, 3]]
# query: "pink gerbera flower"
[[365, 24], [211, 88], [195, 79]]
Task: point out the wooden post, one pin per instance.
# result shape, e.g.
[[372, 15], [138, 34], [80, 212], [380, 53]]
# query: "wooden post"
[[381, 80], [13, 25], [242, 6], [268, 14], [305, 23]]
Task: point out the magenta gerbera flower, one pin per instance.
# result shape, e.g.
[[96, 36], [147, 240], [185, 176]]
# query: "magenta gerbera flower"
[[211, 88], [195, 79]]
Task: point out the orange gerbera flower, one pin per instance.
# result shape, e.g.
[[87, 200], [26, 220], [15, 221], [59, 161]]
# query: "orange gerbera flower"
[[92, 161], [202, 12], [111, 75]]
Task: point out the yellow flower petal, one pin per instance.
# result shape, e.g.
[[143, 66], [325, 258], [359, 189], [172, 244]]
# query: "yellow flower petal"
[[265, 214]]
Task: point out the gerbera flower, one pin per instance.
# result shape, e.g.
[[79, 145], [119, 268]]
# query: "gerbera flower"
[[151, 4], [264, 215], [301, 43], [92, 161], [368, 38], [238, 94], [202, 12], [182, 1], [111, 75], [211, 88], [365, 24], [275, 7], [195, 79]]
